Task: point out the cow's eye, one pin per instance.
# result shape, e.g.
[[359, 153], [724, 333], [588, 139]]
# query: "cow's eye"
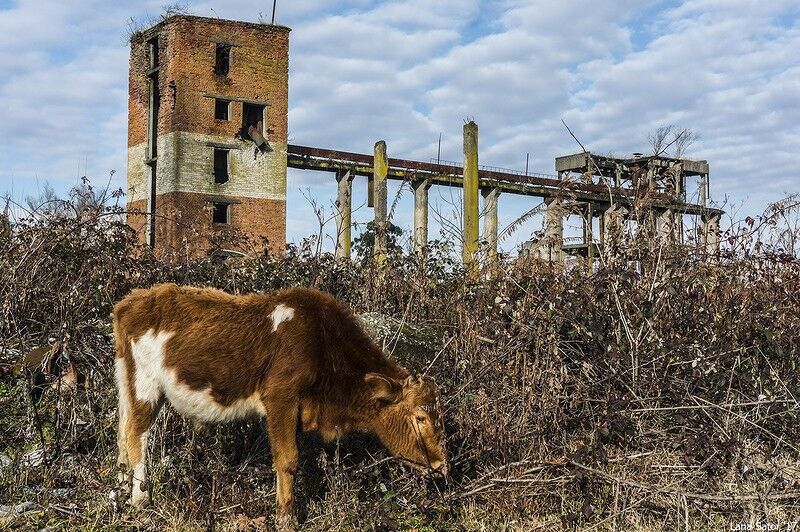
[[421, 419]]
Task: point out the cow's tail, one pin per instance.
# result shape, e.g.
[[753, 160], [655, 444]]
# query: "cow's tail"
[[123, 371]]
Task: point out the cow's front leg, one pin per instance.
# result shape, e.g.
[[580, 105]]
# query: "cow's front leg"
[[282, 429]]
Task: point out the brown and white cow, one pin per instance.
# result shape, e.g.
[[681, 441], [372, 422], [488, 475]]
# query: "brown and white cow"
[[295, 357]]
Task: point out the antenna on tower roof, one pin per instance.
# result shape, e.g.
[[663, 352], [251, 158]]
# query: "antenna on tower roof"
[[273, 10]]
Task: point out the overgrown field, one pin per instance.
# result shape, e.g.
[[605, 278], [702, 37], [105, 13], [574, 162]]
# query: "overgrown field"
[[656, 394]]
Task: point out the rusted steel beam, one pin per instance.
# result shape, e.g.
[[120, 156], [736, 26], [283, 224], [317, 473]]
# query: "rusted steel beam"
[[311, 158], [443, 169]]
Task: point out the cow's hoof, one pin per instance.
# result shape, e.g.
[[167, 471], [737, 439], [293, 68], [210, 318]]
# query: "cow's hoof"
[[139, 498]]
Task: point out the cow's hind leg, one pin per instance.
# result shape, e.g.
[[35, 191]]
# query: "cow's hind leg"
[[123, 402], [137, 429], [282, 429]]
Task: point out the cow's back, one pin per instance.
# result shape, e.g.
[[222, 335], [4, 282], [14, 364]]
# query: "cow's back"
[[216, 356], [208, 352]]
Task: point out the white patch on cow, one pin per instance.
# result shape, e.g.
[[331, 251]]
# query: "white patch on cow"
[[153, 379], [148, 355], [280, 314], [200, 404]]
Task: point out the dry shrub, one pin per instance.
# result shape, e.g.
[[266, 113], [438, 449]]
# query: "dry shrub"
[[660, 391]]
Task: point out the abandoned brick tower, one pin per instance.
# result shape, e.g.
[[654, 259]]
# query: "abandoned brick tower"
[[207, 135]]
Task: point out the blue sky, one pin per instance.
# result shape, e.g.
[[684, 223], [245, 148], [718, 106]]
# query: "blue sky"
[[407, 70]]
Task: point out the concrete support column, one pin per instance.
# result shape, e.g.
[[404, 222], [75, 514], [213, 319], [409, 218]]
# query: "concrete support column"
[[554, 231], [650, 174], [344, 200], [588, 233], [421, 188], [703, 189], [665, 225], [711, 233], [470, 215], [612, 226], [680, 183], [380, 168], [490, 201]]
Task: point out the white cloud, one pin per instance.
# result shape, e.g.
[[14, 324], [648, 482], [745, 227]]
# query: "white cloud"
[[730, 73]]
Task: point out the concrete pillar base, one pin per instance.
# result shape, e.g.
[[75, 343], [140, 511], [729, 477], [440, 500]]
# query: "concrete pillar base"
[[711, 233], [343, 214], [380, 168], [421, 215], [552, 245], [491, 198]]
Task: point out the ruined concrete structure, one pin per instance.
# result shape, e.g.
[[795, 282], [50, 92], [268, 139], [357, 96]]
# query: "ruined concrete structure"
[[650, 190], [207, 126], [207, 159]]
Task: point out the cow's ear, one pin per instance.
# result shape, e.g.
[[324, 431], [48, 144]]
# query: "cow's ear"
[[383, 388]]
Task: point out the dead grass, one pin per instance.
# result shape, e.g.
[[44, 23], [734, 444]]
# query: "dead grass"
[[657, 393]]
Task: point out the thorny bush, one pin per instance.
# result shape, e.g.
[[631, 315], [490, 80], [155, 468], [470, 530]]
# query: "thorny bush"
[[655, 392]]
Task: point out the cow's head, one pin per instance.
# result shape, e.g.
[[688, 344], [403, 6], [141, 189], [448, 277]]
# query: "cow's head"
[[409, 420]]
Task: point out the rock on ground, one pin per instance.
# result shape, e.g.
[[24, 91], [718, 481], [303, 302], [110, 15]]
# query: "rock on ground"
[[412, 346]]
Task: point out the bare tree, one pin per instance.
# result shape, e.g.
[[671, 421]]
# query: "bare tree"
[[683, 141], [658, 138], [323, 218], [680, 139], [46, 201]]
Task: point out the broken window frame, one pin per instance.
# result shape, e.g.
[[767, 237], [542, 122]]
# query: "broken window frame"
[[223, 53], [221, 177], [218, 105], [249, 111], [220, 207]]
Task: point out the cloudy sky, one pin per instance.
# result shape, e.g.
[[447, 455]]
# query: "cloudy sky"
[[407, 70]]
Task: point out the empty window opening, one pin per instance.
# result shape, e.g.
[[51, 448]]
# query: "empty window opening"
[[221, 158], [253, 123], [252, 115], [223, 63], [222, 213], [152, 47], [222, 109]]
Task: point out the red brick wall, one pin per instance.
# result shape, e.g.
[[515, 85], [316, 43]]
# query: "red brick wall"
[[259, 71], [184, 220], [138, 221]]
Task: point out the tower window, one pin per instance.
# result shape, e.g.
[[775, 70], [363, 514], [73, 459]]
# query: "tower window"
[[152, 48], [222, 109], [253, 116], [223, 63], [222, 213], [221, 158]]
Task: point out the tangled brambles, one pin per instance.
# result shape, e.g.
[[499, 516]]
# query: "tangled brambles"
[[660, 392]]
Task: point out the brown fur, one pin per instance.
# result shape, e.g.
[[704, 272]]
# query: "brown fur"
[[318, 370]]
